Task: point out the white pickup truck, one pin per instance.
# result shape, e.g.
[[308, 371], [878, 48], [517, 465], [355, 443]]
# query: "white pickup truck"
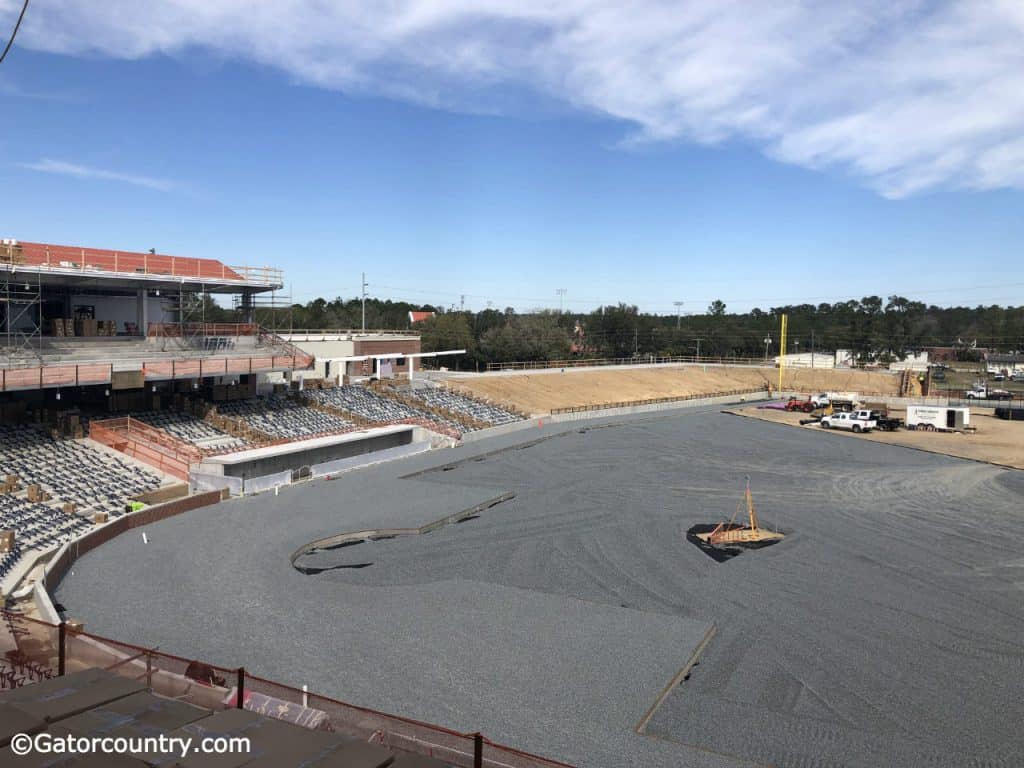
[[858, 421], [982, 392]]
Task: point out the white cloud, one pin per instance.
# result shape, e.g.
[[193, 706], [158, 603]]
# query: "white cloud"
[[906, 95], [62, 168]]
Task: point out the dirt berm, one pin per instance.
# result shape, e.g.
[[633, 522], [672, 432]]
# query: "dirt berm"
[[539, 393]]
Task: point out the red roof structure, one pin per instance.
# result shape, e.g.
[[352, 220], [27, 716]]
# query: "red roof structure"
[[419, 317]]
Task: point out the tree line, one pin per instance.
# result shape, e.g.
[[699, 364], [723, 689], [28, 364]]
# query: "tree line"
[[873, 329]]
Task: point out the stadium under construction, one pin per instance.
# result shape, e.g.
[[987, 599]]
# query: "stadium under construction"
[[219, 528]]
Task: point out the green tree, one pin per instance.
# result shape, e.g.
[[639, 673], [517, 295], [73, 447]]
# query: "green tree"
[[716, 308], [450, 330], [536, 337]]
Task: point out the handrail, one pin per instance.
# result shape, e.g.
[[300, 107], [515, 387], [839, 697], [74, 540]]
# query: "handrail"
[[656, 401], [526, 365], [202, 329], [347, 332], [272, 338]]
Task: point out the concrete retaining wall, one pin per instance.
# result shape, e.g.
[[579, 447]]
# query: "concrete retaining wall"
[[559, 418], [353, 462]]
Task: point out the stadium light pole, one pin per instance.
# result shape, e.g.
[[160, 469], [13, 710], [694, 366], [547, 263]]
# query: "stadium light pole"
[[679, 314], [561, 299], [365, 284]]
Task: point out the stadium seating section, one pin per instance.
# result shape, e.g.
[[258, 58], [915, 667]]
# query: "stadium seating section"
[[375, 407], [284, 418], [68, 471], [39, 526], [94, 480], [191, 429], [466, 406]]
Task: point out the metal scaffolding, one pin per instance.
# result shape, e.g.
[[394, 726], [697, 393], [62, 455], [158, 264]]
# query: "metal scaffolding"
[[21, 312]]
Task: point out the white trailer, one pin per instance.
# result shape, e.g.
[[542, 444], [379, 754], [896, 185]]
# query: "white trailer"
[[938, 418]]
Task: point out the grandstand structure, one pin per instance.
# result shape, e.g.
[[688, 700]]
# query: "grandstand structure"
[[116, 393], [78, 317]]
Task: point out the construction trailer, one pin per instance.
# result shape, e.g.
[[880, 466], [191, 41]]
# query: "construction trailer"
[[938, 418]]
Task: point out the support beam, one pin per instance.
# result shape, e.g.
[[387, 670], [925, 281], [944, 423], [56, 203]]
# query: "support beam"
[[142, 312]]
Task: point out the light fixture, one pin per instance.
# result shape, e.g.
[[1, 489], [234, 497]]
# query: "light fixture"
[[156, 292], [106, 392], [58, 394], [154, 387]]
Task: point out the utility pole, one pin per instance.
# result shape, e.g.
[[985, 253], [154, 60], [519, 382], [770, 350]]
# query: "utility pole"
[[812, 347], [679, 313], [698, 350], [636, 348], [462, 302], [365, 284], [561, 299], [767, 341]]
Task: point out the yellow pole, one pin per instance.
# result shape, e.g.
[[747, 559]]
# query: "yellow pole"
[[782, 350]]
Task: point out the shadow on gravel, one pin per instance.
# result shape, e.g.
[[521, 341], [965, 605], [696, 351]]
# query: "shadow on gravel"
[[311, 571]]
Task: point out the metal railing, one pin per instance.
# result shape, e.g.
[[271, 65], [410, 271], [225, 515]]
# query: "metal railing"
[[202, 329], [45, 650], [261, 275], [530, 365], [306, 333], [148, 444], [60, 258], [657, 400]]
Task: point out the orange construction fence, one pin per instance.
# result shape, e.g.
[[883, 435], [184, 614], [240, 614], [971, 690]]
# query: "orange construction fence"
[[147, 444]]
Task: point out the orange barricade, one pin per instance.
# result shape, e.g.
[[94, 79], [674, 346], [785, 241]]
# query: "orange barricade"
[[148, 444], [214, 367]]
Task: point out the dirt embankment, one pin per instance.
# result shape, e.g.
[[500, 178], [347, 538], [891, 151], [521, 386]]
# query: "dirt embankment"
[[997, 441], [539, 393]]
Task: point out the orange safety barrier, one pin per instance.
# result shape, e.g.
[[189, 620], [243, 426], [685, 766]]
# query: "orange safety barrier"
[[237, 365], [54, 376], [65, 375], [217, 367], [187, 368], [158, 369], [147, 444]]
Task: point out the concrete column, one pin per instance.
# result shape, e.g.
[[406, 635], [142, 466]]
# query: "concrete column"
[[142, 311]]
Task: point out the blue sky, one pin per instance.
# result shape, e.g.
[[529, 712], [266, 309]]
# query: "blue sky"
[[506, 157]]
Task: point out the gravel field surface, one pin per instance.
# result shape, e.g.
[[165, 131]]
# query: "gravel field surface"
[[995, 440], [884, 630]]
